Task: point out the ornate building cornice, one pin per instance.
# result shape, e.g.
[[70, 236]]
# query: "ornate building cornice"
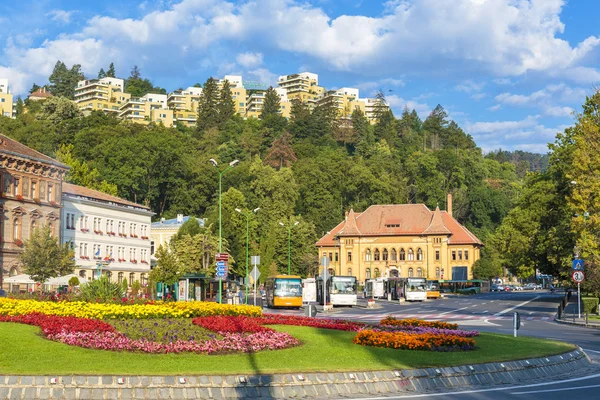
[[33, 167]]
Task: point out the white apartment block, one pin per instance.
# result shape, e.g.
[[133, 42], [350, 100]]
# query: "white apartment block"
[[109, 235]]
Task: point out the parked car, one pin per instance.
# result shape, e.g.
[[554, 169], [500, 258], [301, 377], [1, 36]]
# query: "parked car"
[[497, 288], [530, 286], [516, 287], [507, 288]]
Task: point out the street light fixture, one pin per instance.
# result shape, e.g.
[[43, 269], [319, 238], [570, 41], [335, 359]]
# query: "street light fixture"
[[247, 215], [216, 165], [289, 228]]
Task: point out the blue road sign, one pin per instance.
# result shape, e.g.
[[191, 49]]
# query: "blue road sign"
[[577, 264], [220, 264]]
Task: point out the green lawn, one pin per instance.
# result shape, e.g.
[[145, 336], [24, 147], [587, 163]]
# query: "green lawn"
[[24, 351]]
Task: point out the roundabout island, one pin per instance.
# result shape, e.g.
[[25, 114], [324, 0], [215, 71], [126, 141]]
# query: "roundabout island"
[[208, 350]]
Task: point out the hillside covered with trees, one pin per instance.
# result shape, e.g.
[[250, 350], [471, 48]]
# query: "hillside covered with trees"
[[312, 168]]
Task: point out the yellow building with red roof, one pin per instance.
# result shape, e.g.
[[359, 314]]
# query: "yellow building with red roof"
[[403, 240]]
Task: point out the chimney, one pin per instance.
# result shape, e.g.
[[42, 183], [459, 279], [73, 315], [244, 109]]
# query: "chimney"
[[179, 218], [346, 216], [449, 204]]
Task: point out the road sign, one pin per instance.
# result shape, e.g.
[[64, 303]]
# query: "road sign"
[[255, 274], [325, 261], [222, 257], [325, 274], [578, 276], [578, 264], [255, 260]]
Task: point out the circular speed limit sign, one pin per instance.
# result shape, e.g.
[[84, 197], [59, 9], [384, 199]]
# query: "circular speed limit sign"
[[578, 276]]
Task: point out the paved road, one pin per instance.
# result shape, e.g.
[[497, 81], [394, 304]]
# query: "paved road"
[[584, 388], [488, 312]]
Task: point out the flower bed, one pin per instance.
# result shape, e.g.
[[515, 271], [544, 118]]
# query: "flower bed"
[[391, 321], [119, 311], [412, 341], [94, 334]]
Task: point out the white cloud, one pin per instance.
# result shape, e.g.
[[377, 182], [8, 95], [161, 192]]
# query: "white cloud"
[[478, 96], [546, 99], [502, 81], [470, 86], [61, 16], [249, 60], [382, 84], [397, 104], [265, 76], [559, 111], [494, 108]]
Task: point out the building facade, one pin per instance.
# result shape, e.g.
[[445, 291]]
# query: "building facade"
[[31, 197], [105, 94], [404, 240], [162, 231], [109, 235], [150, 108], [6, 100], [184, 104]]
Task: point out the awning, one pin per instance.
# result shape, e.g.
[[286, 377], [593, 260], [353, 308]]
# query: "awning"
[[19, 279], [64, 280]]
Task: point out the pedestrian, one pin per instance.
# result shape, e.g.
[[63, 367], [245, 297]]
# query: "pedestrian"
[[241, 294]]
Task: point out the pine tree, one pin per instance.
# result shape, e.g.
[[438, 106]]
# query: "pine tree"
[[271, 104], [111, 71], [365, 140], [34, 88], [135, 73], [19, 106], [226, 105], [101, 73], [208, 113], [63, 81]]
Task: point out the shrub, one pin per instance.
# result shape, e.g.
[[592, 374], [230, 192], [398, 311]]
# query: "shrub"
[[589, 305], [391, 321], [101, 289], [74, 281], [410, 341]]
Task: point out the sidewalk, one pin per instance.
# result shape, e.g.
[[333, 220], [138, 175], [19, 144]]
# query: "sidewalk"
[[571, 315]]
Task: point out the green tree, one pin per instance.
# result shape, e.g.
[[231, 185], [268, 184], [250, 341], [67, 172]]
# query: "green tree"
[[19, 106], [281, 153], [168, 269], [44, 257], [226, 105], [138, 86], [81, 174], [271, 104], [34, 88], [58, 109], [111, 71], [63, 80], [101, 73], [208, 111]]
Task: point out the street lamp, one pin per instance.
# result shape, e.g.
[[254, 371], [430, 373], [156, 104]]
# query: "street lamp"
[[247, 215], [289, 228], [216, 165]]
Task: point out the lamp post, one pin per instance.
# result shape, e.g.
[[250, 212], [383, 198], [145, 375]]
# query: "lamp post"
[[221, 172], [247, 215], [289, 228]]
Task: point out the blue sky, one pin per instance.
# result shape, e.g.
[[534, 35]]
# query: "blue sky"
[[510, 72]]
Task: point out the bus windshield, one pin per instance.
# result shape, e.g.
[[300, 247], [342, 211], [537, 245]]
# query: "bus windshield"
[[343, 285], [288, 287], [416, 285], [433, 285]]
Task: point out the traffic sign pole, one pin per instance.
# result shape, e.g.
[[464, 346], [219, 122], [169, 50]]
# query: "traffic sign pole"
[[578, 300]]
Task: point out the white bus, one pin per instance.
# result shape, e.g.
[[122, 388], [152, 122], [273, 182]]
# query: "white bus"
[[341, 291], [375, 288], [411, 289]]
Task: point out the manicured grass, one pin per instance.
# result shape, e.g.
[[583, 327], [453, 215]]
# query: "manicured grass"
[[163, 330], [24, 351]]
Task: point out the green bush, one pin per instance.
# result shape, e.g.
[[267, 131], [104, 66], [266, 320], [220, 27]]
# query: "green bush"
[[74, 281], [101, 289], [590, 305]]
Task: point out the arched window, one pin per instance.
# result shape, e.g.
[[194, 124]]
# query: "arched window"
[[419, 255], [82, 273], [411, 255], [368, 255], [16, 229], [385, 255], [368, 273], [394, 255], [377, 273], [13, 271], [109, 275], [394, 273], [402, 255], [131, 278], [437, 273], [377, 255], [442, 275], [120, 277], [410, 272], [349, 271], [33, 226], [144, 279], [419, 272]]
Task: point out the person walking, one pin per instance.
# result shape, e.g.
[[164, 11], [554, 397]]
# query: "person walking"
[[241, 295]]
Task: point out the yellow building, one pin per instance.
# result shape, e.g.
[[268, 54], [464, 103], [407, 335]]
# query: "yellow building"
[[303, 86], [146, 109], [404, 240], [106, 94], [238, 92], [6, 100], [256, 97], [345, 100]]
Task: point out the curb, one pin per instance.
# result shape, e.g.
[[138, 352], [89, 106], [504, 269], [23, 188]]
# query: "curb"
[[591, 326], [284, 386]]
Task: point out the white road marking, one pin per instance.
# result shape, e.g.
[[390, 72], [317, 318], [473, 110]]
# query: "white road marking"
[[582, 378], [593, 351], [517, 306], [451, 311], [480, 312], [557, 390]]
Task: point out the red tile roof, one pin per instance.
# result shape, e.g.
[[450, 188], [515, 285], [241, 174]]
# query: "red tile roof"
[[11, 146], [41, 92], [76, 190], [400, 220]]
